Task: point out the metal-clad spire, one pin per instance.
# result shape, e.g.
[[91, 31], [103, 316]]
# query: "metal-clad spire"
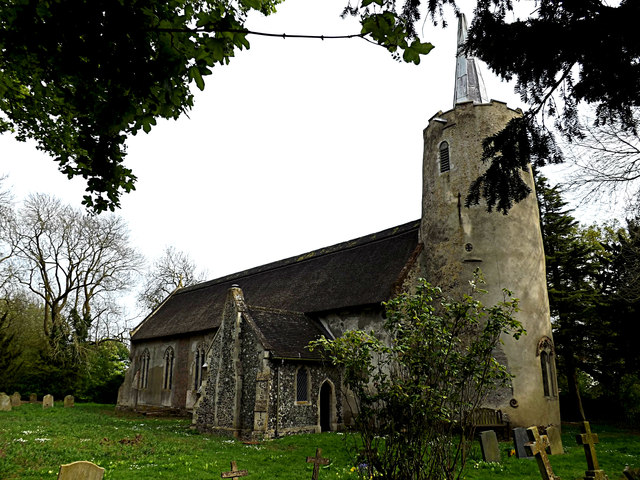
[[469, 83]]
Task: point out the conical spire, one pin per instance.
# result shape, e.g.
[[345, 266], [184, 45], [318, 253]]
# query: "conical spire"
[[469, 83]]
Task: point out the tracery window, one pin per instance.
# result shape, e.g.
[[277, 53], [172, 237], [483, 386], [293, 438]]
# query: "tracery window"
[[197, 370], [167, 382], [445, 165], [302, 384], [546, 352], [143, 379]]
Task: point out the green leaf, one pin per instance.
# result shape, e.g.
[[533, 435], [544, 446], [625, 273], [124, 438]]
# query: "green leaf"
[[194, 73]]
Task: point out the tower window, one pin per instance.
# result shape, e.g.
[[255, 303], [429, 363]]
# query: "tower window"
[[445, 165], [547, 365]]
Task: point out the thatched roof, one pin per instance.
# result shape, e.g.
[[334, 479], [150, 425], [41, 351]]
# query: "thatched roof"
[[360, 272], [287, 334]]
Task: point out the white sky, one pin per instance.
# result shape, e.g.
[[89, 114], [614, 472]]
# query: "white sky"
[[296, 145]]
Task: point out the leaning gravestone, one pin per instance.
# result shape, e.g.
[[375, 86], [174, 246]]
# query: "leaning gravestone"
[[555, 439], [16, 399], [520, 438], [5, 403], [47, 401], [68, 401], [33, 398], [80, 471], [489, 446]]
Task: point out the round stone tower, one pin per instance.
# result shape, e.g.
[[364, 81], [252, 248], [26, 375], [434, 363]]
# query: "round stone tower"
[[506, 248]]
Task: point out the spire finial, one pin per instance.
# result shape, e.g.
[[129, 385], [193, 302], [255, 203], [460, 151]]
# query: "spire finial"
[[469, 83]]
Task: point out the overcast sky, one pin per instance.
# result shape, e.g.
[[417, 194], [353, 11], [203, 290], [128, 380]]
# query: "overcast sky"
[[296, 145]]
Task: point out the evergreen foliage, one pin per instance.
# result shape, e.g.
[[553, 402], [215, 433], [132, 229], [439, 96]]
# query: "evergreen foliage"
[[592, 278], [573, 262]]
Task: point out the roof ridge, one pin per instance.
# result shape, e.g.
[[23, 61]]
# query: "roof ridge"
[[329, 250], [274, 310]]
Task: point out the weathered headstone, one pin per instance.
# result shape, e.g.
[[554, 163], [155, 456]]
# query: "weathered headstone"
[[80, 471], [555, 440], [33, 398], [537, 447], [68, 401], [234, 474], [520, 439], [5, 403], [588, 440], [47, 401], [16, 399], [489, 446], [317, 461]]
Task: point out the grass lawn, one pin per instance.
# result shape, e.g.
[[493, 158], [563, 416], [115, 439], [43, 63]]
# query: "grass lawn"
[[34, 442]]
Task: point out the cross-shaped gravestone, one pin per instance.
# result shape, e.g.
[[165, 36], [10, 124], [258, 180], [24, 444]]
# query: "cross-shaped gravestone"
[[588, 440], [537, 447], [317, 461], [234, 473]]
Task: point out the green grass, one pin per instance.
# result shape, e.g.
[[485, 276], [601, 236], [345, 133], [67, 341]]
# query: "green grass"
[[35, 442]]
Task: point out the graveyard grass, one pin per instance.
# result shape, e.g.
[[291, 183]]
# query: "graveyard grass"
[[35, 442]]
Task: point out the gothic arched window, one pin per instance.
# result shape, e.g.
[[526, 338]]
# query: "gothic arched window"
[[167, 382], [302, 384], [199, 362], [546, 352], [143, 379], [445, 165]]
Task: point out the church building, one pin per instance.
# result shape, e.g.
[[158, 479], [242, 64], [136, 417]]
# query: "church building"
[[232, 351]]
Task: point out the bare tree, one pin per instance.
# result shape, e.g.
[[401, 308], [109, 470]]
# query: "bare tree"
[[72, 262], [174, 269], [6, 250], [608, 161]]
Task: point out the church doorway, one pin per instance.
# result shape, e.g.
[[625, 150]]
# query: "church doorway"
[[326, 406]]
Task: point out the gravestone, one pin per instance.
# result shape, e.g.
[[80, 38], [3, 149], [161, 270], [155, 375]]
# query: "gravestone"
[[489, 446], [68, 401], [16, 399], [33, 398], [589, 440], [317, 461], [631, 474], [555, 439], [5, 403], [537, 447], [47, 401], [80, 471], [520, 439], [234, 474]]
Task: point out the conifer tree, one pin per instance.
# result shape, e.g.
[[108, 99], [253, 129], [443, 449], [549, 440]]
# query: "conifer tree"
[[573, 260]]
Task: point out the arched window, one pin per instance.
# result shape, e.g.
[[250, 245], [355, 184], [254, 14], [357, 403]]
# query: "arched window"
[[302, 384], [143, 379], [197, 370], [546, 352], [445, 165], [167, 382]]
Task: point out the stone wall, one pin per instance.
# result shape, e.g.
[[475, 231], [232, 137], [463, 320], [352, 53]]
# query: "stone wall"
[[507, 248], [286, 416], [154, 396]]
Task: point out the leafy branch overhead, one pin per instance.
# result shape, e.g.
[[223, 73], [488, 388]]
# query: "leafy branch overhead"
[[80, 76]]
